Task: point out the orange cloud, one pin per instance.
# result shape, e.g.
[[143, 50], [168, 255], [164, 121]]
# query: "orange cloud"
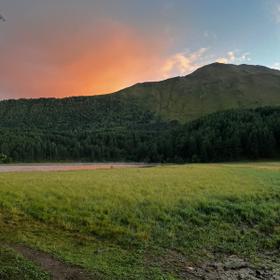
[[42, 62]]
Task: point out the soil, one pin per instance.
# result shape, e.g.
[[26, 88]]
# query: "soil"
[[226, 268], [57, 269], [234, 268]]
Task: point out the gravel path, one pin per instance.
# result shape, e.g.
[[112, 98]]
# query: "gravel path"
[[67, 166]]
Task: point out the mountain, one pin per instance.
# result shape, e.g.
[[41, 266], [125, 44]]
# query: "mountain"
[[212, 114], [212, 88]]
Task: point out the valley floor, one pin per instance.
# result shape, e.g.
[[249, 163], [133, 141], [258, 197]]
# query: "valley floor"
[[204, 221]]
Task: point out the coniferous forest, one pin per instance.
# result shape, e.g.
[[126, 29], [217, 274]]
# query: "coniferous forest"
[[223, 136]]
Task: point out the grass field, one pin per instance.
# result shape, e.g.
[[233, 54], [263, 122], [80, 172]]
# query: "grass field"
[[140, 223]]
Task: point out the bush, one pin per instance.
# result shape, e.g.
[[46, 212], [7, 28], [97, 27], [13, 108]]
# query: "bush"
[[4, 158]]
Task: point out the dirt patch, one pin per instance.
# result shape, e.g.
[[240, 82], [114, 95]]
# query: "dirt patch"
[[235, 268], [222, 268], [57, 269]]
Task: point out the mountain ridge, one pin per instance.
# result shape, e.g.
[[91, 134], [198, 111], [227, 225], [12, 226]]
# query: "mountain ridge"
[[211, 88]]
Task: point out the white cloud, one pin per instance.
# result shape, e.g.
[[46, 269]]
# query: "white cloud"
[[276, 65], [245, 57], [234, 57], [183, 63]]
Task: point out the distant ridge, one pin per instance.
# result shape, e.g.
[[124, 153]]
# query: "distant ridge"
[[211, 88]]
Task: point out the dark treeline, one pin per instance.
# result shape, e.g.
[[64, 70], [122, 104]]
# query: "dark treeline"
[[225, 136]]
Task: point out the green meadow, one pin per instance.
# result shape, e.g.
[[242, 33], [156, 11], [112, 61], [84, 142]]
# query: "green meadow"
[[139, 223]]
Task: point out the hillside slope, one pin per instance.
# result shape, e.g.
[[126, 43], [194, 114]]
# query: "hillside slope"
[[212, 88]]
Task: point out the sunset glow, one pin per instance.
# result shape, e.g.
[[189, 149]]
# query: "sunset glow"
[[83, 63], [65, 48]]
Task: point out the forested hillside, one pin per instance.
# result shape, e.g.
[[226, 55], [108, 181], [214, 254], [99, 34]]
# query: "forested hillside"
[[76, 113], [209, 115], [224, 136]]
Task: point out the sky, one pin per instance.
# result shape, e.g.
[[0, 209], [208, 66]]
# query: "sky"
[[59, 48]]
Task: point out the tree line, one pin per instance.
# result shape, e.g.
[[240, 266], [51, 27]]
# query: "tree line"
[[224, 136]]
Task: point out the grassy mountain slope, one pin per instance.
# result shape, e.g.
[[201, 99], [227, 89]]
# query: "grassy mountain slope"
[[212, 88]]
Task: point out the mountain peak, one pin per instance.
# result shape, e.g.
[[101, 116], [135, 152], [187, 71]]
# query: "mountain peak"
[[209, 89], [218, 70]]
